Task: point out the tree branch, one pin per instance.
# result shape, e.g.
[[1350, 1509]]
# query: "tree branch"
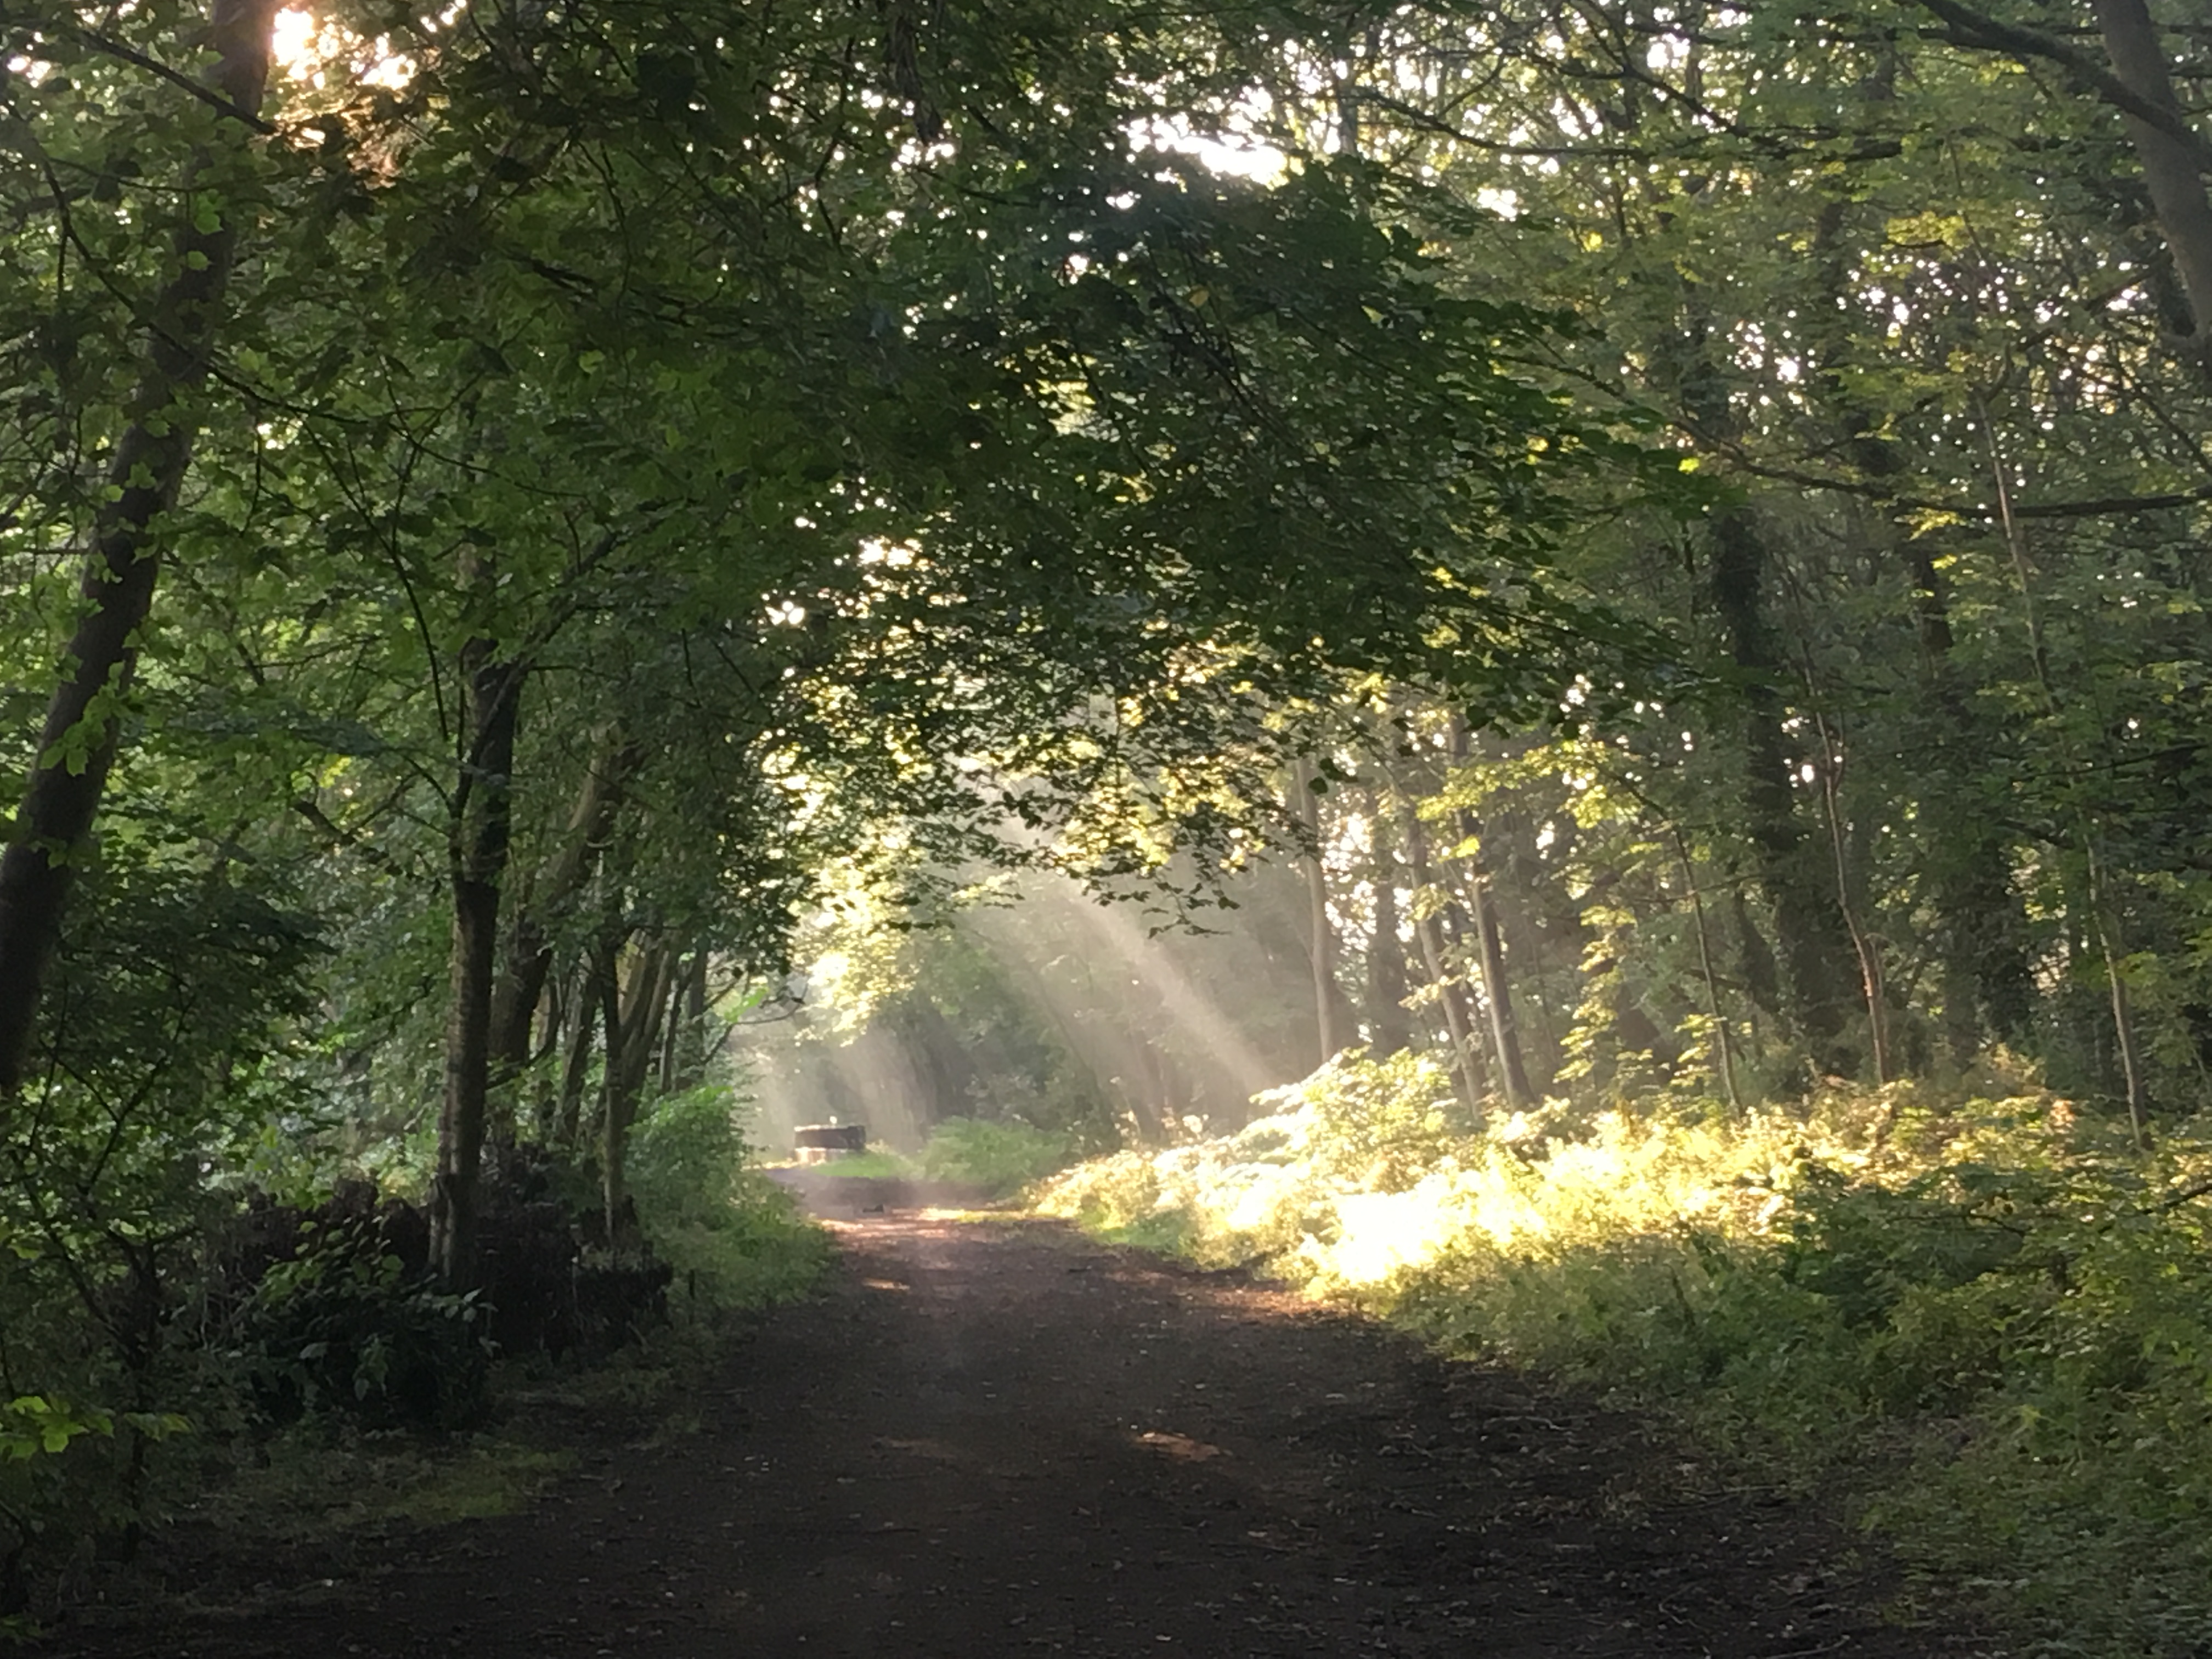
[[1977, 30], [206, 95]]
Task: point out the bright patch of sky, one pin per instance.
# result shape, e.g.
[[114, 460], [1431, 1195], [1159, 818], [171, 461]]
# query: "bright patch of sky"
[[308, 48], [1236, 154]]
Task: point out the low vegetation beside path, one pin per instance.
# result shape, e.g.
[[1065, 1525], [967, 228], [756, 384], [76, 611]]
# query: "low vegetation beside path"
[[1991, 1306]]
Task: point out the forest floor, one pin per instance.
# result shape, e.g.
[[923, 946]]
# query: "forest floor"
[[995, 1436]]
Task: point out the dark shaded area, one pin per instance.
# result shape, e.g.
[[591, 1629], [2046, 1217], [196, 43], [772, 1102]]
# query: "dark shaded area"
[[335, 1307], [1000, 1438]]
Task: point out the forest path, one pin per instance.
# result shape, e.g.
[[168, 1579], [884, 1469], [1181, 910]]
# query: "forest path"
[[999, 1438]]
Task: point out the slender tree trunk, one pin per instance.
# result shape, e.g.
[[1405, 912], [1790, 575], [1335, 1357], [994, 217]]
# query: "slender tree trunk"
[[1723, 1045], [1320, 934], [553, 1016], [558, 1015], [598, 972], [1981, 935], [479, 835], [2112, 947], [691, 1055], [1490, 948], [1863, 943], [1459, 1022], [1806, 920], [1523, 940], [83, 731], [2104, 917], [1160, 1092], [1497, 985], [1386, 956], [633, 1015], [1807, 929], [672, 1025], [553, 889]]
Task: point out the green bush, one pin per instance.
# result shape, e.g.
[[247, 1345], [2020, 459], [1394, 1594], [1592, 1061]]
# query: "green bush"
[[735, 1238], [686, 1154], [347, 1331], [1003, 1158]]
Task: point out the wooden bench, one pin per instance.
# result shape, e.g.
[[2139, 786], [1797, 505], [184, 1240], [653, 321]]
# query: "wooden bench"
[[819, 1143]]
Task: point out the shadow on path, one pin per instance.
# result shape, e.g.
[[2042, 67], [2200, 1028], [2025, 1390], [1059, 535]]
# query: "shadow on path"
[[997, 1439]]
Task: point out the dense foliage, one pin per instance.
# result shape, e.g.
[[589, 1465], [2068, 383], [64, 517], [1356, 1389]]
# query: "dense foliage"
[[1649, 556]]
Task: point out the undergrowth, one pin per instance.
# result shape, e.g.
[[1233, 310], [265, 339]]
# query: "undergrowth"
[[1000, 1156], [735, 1238], [301, 1438], [2009, 1305]]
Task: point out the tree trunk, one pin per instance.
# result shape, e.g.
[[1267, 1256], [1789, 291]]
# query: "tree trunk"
[[1142, 1091], [1872, 979], [692, 1052], [671, 1024], [1386, 957], [633, 1018], [598, 972], [1320, 935], [1807, 923], [1513, 893], [2112, 948], [1459, 1022], [1497, 985], [1723, 1045], [479, 832], [83, 733], [2170, 166], [529, 950], [1981, 935]]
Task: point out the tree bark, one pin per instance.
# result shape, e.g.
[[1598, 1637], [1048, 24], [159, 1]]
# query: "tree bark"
[[1459, 1022], [1981, 937], [2172, 169], [1807, 926], [1873, 984], [1490, 948], [2112, 948], [1497, 984], [691, 1051], [529, 950], [479, 838], [1386, 957], [82, 731], [1807, 921], [670, 1025], [1320, 935], [632, 1015], [1723, 1045], [598, 971]]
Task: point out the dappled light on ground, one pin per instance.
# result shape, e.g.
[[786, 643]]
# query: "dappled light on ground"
[[2010, 1303], [1000, 1438]]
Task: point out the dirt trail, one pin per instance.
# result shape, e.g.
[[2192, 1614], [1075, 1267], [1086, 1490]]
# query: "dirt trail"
[[999, 1439]]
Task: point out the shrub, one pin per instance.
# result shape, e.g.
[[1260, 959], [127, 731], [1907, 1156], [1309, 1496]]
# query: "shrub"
[[1000, 1156], [342, 1326], [734, 1238]]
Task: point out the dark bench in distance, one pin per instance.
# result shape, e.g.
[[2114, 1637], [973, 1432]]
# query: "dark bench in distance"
[[817, 1143]]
